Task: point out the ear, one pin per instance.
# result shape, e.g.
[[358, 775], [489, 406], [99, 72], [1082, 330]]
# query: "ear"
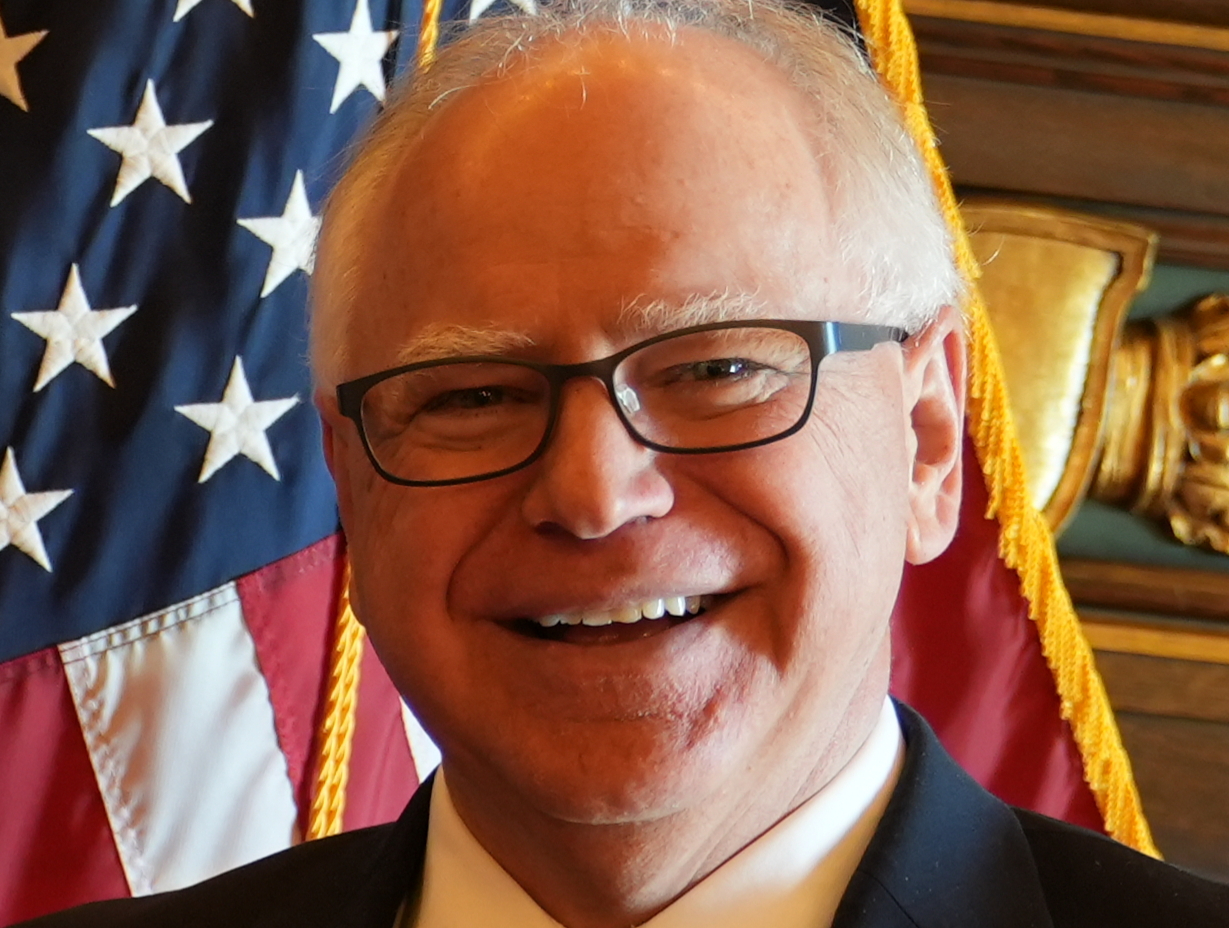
[[332, 426], [935, 391], [330, 416]]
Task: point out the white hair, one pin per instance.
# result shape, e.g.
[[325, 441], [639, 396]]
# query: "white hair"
[[891, 238]]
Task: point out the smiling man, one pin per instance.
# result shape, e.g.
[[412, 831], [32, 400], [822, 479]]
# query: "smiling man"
[[643, 604], [641, 382]]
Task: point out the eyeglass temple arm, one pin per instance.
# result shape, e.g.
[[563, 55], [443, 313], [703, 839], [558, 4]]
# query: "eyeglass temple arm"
[[855, 336]]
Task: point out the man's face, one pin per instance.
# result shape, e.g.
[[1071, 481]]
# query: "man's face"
[[612, 173]]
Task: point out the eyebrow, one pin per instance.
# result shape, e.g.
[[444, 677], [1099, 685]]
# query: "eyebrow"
[[455, 341], [637, 319], [657, 316]]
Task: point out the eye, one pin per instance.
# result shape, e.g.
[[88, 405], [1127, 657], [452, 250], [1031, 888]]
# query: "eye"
[[721, 368], [715, 369], [469, 398]]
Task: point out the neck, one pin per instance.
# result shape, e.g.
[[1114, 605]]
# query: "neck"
[[612, 875]]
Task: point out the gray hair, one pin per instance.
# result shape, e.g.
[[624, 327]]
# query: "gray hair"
[[891, 239]]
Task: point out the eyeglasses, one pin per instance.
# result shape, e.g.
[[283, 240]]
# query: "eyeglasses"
[[721, 387]]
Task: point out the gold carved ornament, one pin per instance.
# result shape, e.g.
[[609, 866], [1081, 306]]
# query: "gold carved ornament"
[[1166, 451], [1057, 286]]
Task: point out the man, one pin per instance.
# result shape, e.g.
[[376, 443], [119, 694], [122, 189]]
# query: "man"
[[641, 381]]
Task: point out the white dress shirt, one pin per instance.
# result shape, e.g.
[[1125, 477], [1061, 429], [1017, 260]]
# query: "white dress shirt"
[[792, 876]]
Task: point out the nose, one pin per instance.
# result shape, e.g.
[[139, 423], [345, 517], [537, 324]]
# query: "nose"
[[594, 477]]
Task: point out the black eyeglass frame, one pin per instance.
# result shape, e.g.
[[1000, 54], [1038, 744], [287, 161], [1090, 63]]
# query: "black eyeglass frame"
[[823, 338]]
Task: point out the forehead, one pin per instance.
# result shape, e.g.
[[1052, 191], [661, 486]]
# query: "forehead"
[[607, 171]]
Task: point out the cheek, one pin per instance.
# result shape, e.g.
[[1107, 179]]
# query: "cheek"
[[859, 440], [838, 505], [404, 544]]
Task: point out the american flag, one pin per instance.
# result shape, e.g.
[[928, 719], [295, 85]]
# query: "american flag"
[[168, 550]]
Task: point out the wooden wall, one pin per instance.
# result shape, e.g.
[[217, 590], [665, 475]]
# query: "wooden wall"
[[1094, 121], [1168, 681], [1174, 718]]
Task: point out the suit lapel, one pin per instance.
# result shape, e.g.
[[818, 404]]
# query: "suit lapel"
[[946, 852], [386, 878]]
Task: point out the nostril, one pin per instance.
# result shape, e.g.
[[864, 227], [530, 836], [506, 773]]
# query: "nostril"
[[549, 529]]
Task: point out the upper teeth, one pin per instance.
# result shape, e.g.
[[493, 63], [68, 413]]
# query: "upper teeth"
[[634, 612]]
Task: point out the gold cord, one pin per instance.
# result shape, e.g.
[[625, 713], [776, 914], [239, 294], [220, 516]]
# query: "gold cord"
[[1025, 543], [336, 735], [429, 32]]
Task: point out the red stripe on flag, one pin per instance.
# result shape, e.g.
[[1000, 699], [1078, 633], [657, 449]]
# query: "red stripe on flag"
[[56, 848], [290, 610], [967, 656], [382, 774]]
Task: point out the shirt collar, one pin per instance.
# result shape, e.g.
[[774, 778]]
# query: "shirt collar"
[[792, 876]]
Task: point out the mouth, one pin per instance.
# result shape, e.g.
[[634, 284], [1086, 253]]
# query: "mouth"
[[628, 622]]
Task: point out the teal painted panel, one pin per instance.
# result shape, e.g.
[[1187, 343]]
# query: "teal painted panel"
[[1174, 287], [1103, 533]]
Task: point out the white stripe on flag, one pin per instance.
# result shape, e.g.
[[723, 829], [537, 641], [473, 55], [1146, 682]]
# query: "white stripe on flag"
[[422, 749], [179, 727]]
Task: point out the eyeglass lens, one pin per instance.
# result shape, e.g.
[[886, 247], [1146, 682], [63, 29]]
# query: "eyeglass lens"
[[700, 390]]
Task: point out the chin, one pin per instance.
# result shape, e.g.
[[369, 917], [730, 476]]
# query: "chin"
[[628, 797], [621, 773]]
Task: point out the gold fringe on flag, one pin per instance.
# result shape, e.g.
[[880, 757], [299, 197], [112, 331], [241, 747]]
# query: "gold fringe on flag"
[[336, 735], [1025, 543]]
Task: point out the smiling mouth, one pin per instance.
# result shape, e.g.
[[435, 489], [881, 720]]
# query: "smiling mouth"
[[610, 626]]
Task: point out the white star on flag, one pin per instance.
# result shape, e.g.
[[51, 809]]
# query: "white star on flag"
[[20, 512], [478, 7], [74, 332], [150, 148], [237, 425], [360, 55], [292, 235], [12, 50], [187, 6]]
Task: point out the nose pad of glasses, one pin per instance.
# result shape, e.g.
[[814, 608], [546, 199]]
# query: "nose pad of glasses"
[[628, 399]]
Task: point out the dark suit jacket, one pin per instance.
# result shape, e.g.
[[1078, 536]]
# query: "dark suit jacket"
[[947, 853]]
